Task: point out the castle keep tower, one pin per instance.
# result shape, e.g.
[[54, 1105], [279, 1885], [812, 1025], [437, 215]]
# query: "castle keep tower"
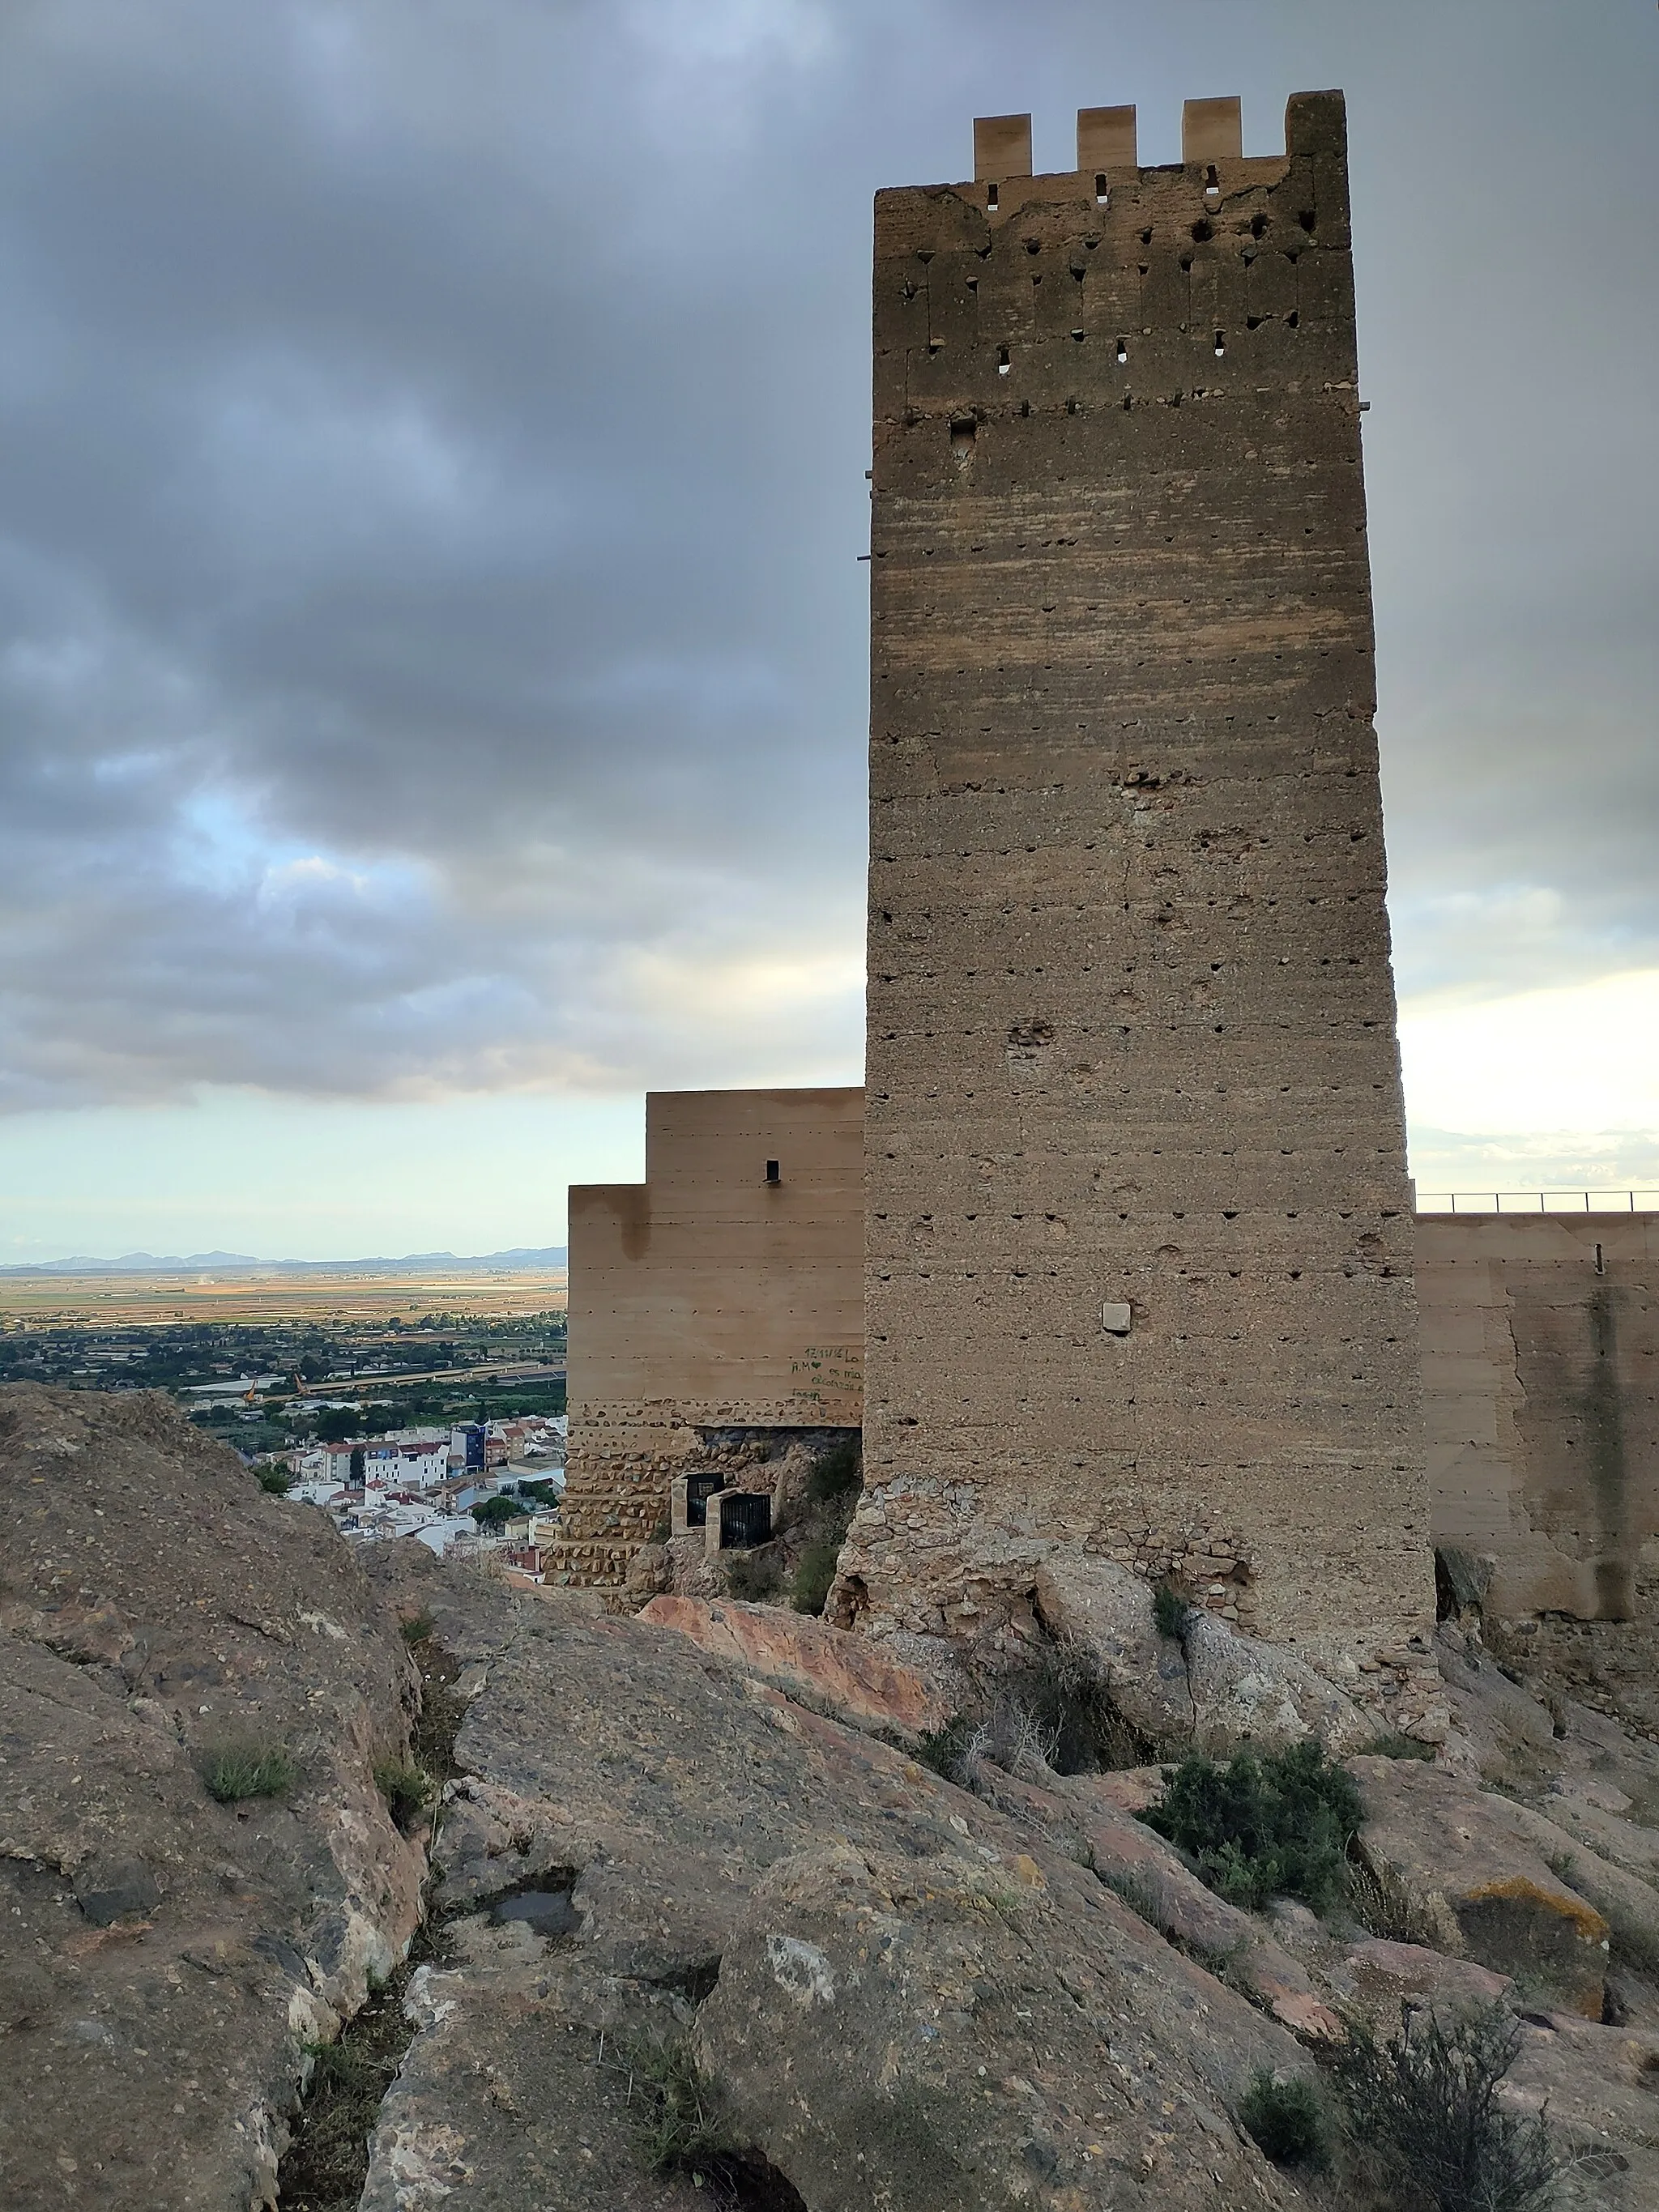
[[1138, 1230]]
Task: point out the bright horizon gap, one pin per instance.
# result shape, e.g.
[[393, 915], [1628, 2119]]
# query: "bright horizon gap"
[[1549, 1089]]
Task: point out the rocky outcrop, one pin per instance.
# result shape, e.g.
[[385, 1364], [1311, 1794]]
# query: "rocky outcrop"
[[1207, 1689], [850, 1677], [1486, 1876], [668, 1879], [897, 1993], [167, 1956]]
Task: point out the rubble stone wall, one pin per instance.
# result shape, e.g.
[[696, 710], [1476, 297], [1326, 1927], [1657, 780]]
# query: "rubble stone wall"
[[1131, 1038]]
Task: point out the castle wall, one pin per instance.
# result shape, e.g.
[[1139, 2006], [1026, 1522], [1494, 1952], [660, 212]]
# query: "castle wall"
[[1131, 1043], [1540, 1369], [708, 1298]]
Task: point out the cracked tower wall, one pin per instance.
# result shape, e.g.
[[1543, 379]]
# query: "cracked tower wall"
[[1131, 1033], [1540, 1368], [710, 1296]]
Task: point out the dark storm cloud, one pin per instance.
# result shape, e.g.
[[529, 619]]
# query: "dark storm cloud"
[[431, 630]]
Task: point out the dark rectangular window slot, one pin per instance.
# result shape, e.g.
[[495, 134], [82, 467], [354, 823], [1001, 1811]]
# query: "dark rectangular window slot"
[[991, 197], [1102, 195], [699, 1489], [772, 1175], [1601, 1264]]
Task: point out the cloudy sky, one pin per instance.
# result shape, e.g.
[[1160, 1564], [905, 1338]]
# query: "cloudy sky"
[[431, 638]]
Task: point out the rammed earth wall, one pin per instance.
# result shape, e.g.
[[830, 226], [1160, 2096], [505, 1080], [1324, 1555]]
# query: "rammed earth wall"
[[1138, 1230], [726, 1292]]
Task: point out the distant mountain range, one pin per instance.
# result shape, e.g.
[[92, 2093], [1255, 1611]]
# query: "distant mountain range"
[[413, 1263]]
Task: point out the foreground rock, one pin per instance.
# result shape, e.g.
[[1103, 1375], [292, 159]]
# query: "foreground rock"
[[1208, 1690], [167, 1956], [898, 1995], [855, 1680], [1489, 1881]]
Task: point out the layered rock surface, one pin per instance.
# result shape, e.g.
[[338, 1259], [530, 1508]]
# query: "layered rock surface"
[[904, 1996], [166, 1956], [681, 1841]]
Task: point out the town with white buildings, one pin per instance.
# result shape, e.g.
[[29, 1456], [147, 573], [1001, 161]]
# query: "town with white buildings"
[[477, 1491]]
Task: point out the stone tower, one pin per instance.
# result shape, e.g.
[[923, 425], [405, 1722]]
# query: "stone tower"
[[1139, 1234]]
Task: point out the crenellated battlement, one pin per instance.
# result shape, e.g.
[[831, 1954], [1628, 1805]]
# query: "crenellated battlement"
[[1212, 131]]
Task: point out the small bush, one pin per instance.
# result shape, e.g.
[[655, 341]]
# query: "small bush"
[[1384, 1906], [682, 2132], [1392, 1745], [752, 1577], [276, 1479], [1256, 1828], [835, 1473], [944, 1749], [417, 1628], [1170, 1611], [1142, 1889], [815, 1570], [232, 1772], [1424, 2118], [406, 1788], [1287, 2119]]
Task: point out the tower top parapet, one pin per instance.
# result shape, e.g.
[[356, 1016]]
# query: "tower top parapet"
[[1210, 131]]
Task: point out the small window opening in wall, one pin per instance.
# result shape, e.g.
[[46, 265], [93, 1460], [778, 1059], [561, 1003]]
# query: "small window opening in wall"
[[1102, 195], [1002, 360], [1601, 1264], [1203, 229], [991, 197], [1122, 353], [1292, 320], [1078, 335], [961, 436], [772, 1174], [1258, 225], [1220, 345], [1306, 219]]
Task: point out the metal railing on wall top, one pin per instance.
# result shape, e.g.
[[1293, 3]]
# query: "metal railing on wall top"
[[1539, 1201]]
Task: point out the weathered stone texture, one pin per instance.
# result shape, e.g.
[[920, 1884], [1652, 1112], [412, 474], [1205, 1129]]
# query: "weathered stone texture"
[[1131, 1013], [1540, 1365]]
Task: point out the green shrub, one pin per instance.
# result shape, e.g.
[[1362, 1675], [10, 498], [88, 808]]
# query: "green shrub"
[[1169, 1611], [1392, 1745], [815, 1570], [752, 1577], [944, 1749], [232, 1772], [277, 1480], [1256, 1828], [417, 1628], [837, 1473], [1287, 2119], [681, 2130], [406, 1788], [1422, 2115]]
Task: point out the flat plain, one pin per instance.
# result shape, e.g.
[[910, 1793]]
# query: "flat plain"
[[266, 1295]]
